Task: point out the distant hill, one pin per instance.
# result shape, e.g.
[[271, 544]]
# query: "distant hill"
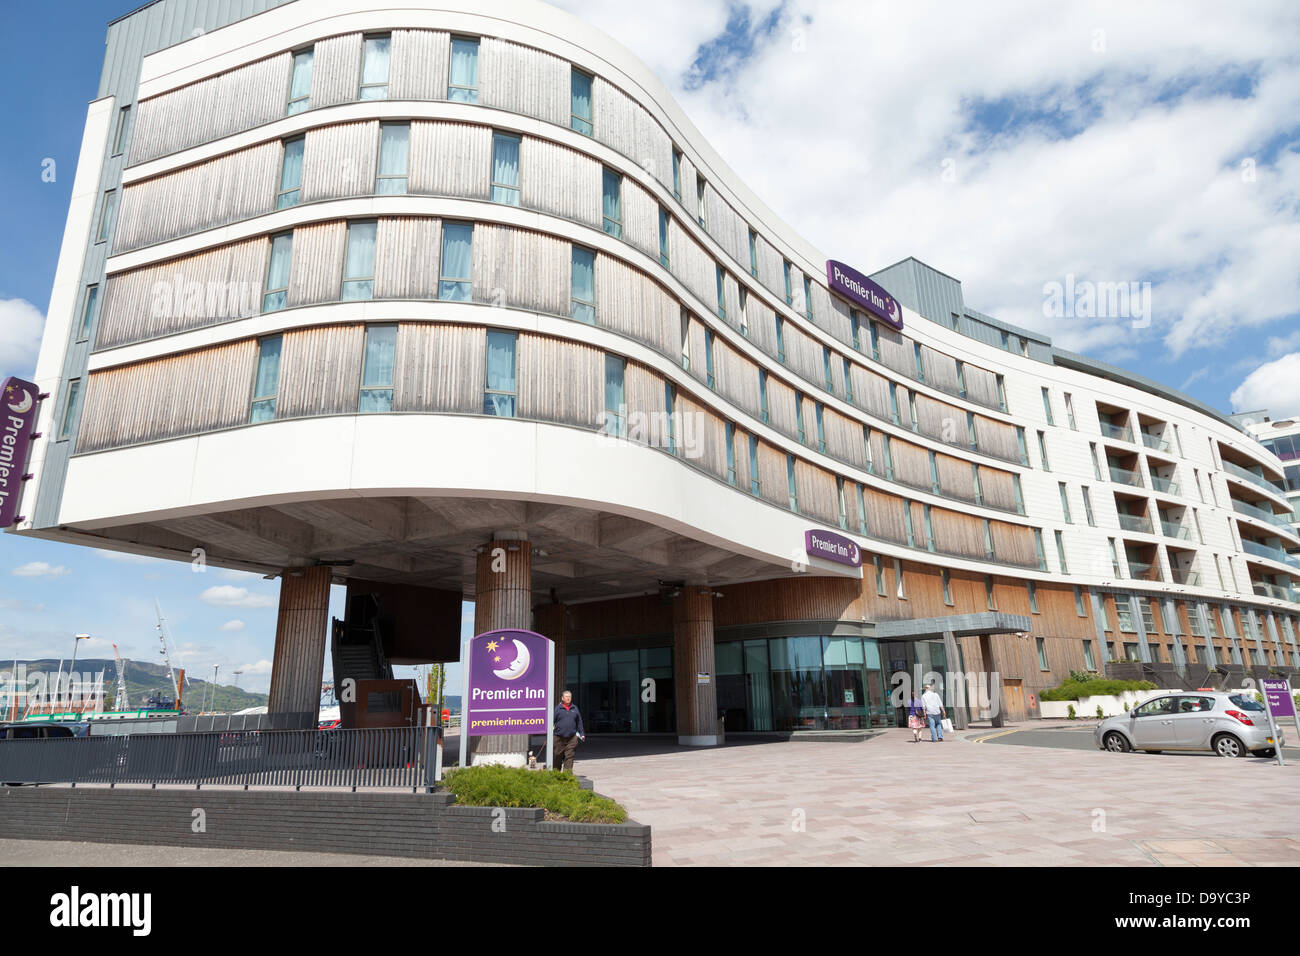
[[144, 679]]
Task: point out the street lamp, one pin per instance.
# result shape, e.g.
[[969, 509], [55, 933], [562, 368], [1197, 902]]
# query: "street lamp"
[[72, 669]]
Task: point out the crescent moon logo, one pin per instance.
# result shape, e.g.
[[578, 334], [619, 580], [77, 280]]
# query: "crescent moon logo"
[[519, 666], [893, 310], [24, 406], [853, 555]]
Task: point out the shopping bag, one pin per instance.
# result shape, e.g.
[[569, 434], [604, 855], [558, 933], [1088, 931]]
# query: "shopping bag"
[[947, 725]]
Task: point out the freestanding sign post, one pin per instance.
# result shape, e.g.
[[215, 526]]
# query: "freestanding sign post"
[[1279, 703], [508, 687]]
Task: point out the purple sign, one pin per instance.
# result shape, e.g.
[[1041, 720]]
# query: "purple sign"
[[832, 547], [19, 404], [1277, 697], [856, 287], [507, 684]]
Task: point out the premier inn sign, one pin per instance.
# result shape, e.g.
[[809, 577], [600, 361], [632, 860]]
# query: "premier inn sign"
[[832, 547], [857, 288], [19, 403]]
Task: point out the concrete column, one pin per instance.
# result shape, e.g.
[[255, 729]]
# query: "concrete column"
[[697, 699], [549, 619], [957, 688], [995, 682], [503, 598], [300, 631]]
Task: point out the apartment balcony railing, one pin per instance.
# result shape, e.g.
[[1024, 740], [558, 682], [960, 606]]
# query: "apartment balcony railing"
[[1234, 469], [1185, 576], [1123, 433], [1280, 521], [1166, 485], [1139, 523], [1273, 554], [1172, 529], [1264, 589], [1144, 572], [1125, 477], [1151, 441]]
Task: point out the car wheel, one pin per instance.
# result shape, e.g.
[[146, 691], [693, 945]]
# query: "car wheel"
[[1116, 743], [1226, 745], [1264, 753]]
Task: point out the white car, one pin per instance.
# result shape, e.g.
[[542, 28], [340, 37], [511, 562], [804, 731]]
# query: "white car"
[[1228, 724]]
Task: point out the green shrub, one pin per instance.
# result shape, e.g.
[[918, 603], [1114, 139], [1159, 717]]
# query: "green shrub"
[[552, 790], [1101, 714], [1073, 690], [1070, 713]]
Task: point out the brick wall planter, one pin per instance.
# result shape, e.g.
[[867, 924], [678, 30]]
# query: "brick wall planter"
[[429, 826]]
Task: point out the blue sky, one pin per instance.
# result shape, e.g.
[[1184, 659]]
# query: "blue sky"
[[1009, 145]]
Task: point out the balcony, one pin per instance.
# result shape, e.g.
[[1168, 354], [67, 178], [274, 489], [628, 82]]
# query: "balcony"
[[1255, 479], [1139, 523], [1173, 529], [1275, 591], [1165, 486], [1122, 433], [1125, 477], [1185, 576], [1158, 444], [1273, 554], [1144, 572], [1278, 521]]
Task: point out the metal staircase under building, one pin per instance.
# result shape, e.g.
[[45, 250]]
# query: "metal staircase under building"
[[357, 648]]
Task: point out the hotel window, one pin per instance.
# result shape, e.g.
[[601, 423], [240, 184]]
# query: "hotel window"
[[699, 196], [123, 130], [722, 300], [1047, 405], [821, 428], [1069, 412], [708, 357], [753, 253], [731, 454], [1002, 393], [907, 523], [1021, 446], [1196, 477], [1101, 614], [807, 298], [798, 417], [499, 381], [1042, 654], [976, 485], [1032, 588], [670, 410], [880, 574], [277, 273], [762, 395], [916, 359], [988, 539], [755, 486], [1078, 602], [855, 329], [839, 497], [901, 591], [989, 600], [743, 295], [929, 528], [455, 276], [1124, 614], [394, 151], [1114, 558], [1196, 520], [300, 84], [780, 340], [615, 403], [505, 169], [848, 382], [290, 174], [1148, 619], [875, 339], [686, 340], [462, 84], [1065, 502], [611, 203], [793, 485], [789, 289], [359, 266], [664, 259], [1088, 660], [971, 439], [88, 312], [1092, 453], [677, 177], [1042, 450], [934, 472], [911, 410], [1020, 496], [374, 68], [107, 210], [866, 449], [893, 402], [266, 381], [826, 369], [1060, 552], [946, 577], [70, 404], [377, 370], [862, 509], [583, 285], [889, 457], [961, 378], [1038, 549], [580, 98]]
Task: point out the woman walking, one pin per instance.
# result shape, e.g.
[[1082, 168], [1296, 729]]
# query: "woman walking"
[[915, 717]]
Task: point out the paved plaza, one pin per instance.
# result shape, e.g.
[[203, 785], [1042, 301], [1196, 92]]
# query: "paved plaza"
[[889, 802]]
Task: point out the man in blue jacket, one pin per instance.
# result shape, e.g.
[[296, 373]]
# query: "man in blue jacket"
[[568, 731]]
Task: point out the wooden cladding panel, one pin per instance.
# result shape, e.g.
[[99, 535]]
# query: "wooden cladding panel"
[[430, 174], [896, 350], [957, 533], [940, 420], [911, 464], [802, 598], [335, 70], [781, 407], [419, 65], [560, 181], [956, 480], [523, 80], [981, 386], [628, 301], [726, 226], [844, 438], [406, 258], [691, 264], [998, 487], [177, 395], [339, 161], [560, 381], [871, 391], [940, 369], [626, 126], [440, 368], [320, 371], [997, 438], [316, 266], [516, 267], [773, 480], [1014, 544], [736, 377], [818, 495], [702, 436], [885, 516], [641, 220]]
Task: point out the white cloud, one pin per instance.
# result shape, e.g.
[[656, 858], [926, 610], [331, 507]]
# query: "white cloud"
[[41, 569], [235, 625], [21, 324], [261, 667], [1274, 386], [226, 595]]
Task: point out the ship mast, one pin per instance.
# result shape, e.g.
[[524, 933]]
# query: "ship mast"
[[161, 627], [120, 702]]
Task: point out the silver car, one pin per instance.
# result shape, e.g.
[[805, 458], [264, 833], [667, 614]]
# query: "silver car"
[[1228, 724]]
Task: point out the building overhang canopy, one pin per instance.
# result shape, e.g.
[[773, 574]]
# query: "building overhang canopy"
[[958, 625]]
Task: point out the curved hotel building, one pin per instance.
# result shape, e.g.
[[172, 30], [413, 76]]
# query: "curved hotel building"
[[446, 301]]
